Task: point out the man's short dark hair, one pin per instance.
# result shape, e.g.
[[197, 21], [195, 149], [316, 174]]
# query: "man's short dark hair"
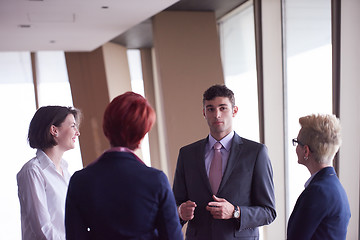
[[218, 91]]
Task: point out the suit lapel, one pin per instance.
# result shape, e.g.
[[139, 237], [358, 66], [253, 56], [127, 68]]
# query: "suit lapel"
[[235, 152], [200, 157]]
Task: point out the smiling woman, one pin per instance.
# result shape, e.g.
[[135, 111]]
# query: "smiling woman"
[[17, 99], [43, 181], [53, 88]]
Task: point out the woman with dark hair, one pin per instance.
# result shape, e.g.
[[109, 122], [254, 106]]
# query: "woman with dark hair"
[[43, 181], [118, 196]]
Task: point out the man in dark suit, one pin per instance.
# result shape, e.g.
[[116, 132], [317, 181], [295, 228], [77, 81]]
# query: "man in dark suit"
[[243, 198]]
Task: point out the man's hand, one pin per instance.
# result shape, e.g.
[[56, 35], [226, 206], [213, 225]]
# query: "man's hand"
[[186, 210], [220, 209]]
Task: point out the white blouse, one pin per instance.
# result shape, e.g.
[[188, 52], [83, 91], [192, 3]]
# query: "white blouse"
[[42, 193]]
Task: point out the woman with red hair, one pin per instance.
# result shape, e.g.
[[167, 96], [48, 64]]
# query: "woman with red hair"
[[118, 196]]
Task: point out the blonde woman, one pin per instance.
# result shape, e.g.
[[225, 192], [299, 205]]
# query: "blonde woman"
[[322, 210]]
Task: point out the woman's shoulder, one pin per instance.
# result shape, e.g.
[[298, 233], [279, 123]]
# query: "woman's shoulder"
[[30, 170], [152, 174], [31, 165], [150, 170]]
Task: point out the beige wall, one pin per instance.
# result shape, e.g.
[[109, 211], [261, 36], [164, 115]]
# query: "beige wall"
[[187, 54], [349, 165], [87, 79], [96, 78], [117, 69], [273, 110]]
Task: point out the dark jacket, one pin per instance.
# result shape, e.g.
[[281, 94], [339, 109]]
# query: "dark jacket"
[[322, 210], [118, 197], [247, 183]]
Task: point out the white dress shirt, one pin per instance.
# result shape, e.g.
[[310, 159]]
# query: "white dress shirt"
[[42, 193]]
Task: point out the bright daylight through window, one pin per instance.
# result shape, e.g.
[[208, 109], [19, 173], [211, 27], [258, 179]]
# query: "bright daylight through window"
[[238, 56], [308, 79], [17, 101], [137, 85]]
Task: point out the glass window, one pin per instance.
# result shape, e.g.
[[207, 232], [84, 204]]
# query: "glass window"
[[137, 85], [54, 89], [237, 38], [308, 84], [17, 103]]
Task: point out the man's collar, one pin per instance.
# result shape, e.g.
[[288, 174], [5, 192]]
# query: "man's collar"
[[225, 141]]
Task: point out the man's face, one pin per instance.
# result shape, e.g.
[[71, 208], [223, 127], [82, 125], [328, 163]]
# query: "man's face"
[[219, 113]]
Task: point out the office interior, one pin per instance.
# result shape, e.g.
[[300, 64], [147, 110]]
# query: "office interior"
[[182, 48]]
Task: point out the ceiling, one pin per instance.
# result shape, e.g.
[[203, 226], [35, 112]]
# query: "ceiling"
[[70, 25], [84, 25], [141, 34]]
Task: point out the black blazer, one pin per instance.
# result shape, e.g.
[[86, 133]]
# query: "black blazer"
[[247, 183], [118, 197]]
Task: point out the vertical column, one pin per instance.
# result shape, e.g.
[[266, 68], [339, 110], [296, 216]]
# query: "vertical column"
[[149, 89], [87, 79], [117, 69], [349, 155], [274, 109], [187, 53], [95, 78]]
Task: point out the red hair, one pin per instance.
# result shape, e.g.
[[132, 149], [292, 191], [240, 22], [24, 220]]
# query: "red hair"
[[127, 119]]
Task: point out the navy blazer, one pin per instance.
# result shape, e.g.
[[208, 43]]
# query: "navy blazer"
[[322, 210], [118, 197], [247, 182]]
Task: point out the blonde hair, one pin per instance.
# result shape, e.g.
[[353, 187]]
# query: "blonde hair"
[[322, 133]]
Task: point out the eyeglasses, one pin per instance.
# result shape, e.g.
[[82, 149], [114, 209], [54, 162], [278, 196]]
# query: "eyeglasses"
[[295, 142]]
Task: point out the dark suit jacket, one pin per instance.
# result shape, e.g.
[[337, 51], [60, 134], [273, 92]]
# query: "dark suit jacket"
[[247, 183], [118, 197], [322, 210]]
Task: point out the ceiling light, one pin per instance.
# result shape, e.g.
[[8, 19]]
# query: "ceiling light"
[[24, 25]]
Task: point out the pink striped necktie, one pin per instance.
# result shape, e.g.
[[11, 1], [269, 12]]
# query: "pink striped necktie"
[[215, 173]]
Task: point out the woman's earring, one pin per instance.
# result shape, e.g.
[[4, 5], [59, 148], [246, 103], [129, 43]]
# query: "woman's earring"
[[56, 134], [305, 158]]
